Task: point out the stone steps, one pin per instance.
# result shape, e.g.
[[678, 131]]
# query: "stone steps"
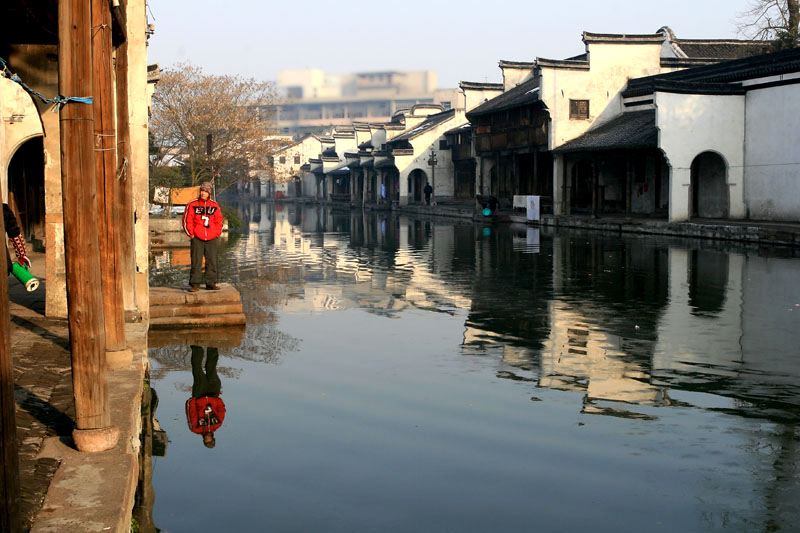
[[177, 308], [197, 321]]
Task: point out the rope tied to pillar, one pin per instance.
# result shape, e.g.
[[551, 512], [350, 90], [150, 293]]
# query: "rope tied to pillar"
[[58, 102]]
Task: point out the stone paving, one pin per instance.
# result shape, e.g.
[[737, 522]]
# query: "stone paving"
[[54, 477], [43, 391]]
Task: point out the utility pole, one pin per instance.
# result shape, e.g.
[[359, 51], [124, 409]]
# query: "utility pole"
[[9, 460], [105, 152], [433, 161], [81, 241]]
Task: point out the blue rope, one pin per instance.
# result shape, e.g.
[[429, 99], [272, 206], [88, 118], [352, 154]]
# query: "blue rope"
[[58, 102]]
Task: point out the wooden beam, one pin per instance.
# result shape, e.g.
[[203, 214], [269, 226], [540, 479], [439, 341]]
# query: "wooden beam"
[[9, 459], [105, 151], [81, 239], [118, 13], [125, 181]]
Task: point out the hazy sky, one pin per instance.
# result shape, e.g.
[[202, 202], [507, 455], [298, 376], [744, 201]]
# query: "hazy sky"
[[460, 40]]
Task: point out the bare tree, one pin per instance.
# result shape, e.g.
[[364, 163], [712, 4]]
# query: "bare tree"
[[773, 20], [214, 126]]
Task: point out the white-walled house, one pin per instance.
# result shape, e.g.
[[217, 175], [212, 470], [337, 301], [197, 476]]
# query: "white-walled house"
[[718, 141], [422, 156], [285, 177], [547, 103]]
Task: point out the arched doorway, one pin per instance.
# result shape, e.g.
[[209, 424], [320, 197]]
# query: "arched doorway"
[[709, 189], [26, 190], [416, 185]]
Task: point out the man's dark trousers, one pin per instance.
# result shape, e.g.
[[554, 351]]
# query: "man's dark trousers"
[[207, 249]]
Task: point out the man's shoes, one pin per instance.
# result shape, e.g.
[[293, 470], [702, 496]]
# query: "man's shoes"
[[194, 288], [213, 287]]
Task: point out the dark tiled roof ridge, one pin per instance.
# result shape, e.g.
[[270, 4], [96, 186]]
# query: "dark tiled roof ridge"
[[430, 122], [479, 85], [523, 94], [724, 72], [630, 130]]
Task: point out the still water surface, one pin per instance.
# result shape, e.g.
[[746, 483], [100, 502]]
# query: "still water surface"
[[403, 374]]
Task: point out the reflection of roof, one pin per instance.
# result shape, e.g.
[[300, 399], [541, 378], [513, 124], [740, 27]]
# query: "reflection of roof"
[[636, 129], [523, 94], [431, 122]]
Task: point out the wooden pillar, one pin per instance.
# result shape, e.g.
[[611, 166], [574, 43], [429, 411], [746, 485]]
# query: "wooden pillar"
[[125, 181], [9, 460], [81, 239], [628, 185], [105, 150], [595, 199]]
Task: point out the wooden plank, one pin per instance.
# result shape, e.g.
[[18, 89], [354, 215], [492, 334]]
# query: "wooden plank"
[[9, 460], [79, 196], [124, 177]]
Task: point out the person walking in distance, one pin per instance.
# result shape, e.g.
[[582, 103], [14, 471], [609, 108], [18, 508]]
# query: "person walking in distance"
[[202, 222]]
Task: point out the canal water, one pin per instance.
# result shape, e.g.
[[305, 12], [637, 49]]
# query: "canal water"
[[410, 374]]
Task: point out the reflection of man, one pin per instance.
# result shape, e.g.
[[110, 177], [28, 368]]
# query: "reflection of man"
[[205, 410]]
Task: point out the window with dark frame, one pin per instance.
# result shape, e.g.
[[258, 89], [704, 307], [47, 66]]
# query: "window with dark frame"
[[297, 159], [443, 144], [283, 159], [578, 109]]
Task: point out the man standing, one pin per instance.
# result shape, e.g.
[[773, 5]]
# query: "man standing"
[[202, 222], [428, 190]]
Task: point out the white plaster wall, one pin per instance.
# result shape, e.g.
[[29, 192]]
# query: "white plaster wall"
[[689, 125], [772, 153], [513, 76], [473, 97], [610, 68], [15, 101], [443, 185]]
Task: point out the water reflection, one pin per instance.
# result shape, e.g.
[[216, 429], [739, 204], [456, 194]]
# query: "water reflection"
[[205, 410], [660, 349]]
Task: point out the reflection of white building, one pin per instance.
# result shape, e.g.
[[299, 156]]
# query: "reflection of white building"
[[703, 320], [580, 356], [411, 281]]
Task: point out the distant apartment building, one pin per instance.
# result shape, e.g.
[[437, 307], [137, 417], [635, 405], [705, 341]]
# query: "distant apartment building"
[[313, 100]]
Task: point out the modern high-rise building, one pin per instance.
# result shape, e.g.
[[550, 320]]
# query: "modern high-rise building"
[[312, 100]]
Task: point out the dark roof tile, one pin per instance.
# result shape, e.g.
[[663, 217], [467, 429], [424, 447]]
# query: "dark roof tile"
[[523, 94], [636, 129]]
